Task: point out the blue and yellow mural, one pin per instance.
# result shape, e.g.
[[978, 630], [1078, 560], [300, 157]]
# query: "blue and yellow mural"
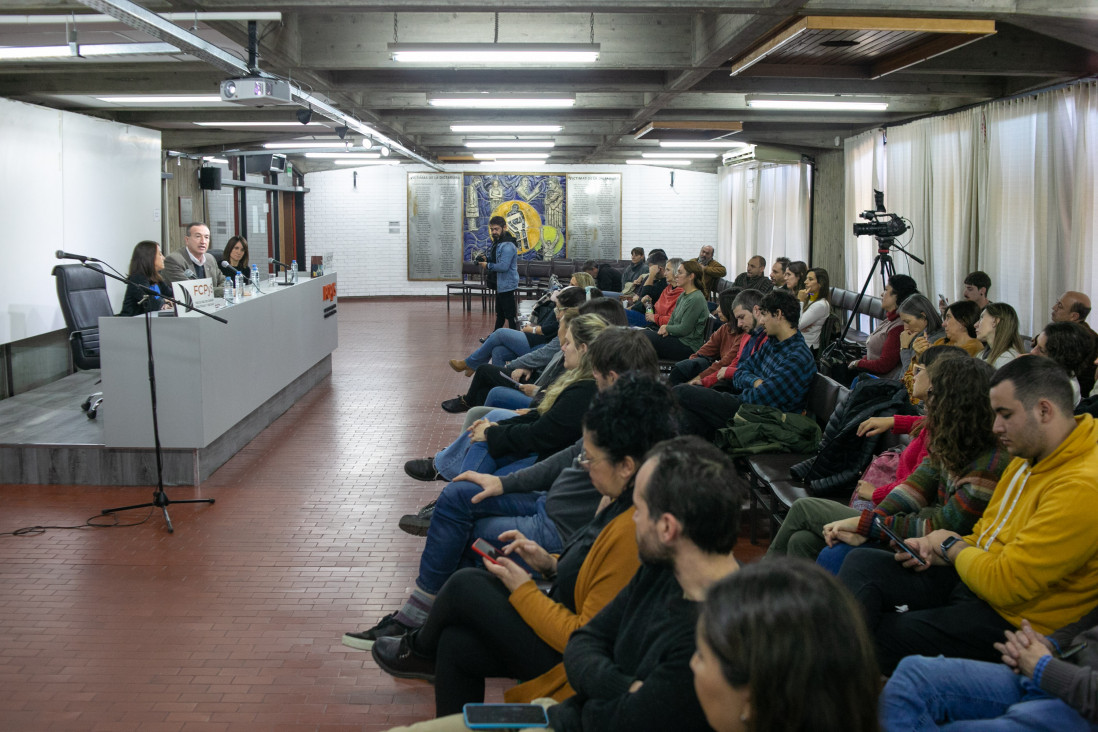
[[533, 206]]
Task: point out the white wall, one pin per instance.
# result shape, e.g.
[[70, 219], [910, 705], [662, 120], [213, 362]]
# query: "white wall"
[[371, 257]]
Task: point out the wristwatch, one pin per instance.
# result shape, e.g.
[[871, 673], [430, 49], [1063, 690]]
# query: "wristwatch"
[[946, 546]]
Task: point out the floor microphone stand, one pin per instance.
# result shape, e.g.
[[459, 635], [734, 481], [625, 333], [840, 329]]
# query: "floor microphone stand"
[[160, 498]]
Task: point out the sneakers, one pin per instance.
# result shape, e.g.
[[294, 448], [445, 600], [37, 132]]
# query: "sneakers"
[[422, 469], [460, 366], [417, 523], [395, 657], [455, 406], [387, 627]]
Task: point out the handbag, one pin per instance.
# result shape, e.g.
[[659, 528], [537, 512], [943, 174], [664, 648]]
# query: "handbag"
[[881, 471]]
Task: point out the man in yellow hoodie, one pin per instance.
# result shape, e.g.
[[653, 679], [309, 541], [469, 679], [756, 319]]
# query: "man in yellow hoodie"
[[1033, 554]]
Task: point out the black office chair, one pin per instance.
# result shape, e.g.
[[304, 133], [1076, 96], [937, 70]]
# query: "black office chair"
[[82, 293]]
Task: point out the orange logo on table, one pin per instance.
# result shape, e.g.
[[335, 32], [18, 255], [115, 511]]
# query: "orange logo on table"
[[330, 292], [203, 290]]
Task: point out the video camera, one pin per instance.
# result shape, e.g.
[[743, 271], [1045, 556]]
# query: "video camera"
[[882, 225]]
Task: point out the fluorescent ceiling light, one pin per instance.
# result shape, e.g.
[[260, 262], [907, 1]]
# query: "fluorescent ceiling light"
[[657, 162], [344, 156], [333, 145], [91, 50], [163, 99], [817, 103], [221, 161], [501, 54], [500, 101], [512, 164], [510, 156], [510, 143], [505, 128], [680, 155], [723, 145], [259, 124], [367, 162]]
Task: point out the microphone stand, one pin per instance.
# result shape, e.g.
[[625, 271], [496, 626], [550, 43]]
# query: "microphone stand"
[[160, 498]]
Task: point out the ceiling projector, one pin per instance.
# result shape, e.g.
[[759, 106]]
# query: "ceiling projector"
[[256, 91]]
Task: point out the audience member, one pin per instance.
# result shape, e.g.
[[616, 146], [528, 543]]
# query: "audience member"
[[480, 628], [651, 284], [1075, 307], [145, 264], [745, 314], [977, 285], [711, 274], [950, 489], [606, 277], [194, 259], [959, 324], [1044, 684], [548, 502], [636, 268], [816, 308], [777, 375], [501, 266], [795, 272], [657, 310], [777, 272], [1068, 344], [581, 279], [1032, 555], [997, 329], [782, 646], [721, 350], [882, 356], [755, 277], [236, 254], [684, 331]]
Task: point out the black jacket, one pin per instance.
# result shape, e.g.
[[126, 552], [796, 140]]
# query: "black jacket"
[[546, 433], [131, 302]]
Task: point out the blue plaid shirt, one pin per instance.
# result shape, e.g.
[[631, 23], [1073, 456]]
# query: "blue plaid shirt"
[[786, 368]]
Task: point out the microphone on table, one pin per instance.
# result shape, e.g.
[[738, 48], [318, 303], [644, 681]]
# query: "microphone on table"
[[283, 265], [78, 257], [225, 263], [189, 274]]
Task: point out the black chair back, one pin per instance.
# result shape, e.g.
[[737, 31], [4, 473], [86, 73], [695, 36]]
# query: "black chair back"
[[82, 293]]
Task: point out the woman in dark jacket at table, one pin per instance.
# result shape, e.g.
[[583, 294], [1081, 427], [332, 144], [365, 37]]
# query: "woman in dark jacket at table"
[[236, 254], [145, 266]]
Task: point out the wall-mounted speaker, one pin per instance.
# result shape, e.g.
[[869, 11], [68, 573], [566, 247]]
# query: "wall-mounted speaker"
[[209, 179]]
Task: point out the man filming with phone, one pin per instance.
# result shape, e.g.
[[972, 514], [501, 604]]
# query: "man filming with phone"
[[1031, 556]]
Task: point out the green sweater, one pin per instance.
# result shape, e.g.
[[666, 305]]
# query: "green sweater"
[[688, 320]]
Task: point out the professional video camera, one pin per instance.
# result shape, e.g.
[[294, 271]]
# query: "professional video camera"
[[882, 225]]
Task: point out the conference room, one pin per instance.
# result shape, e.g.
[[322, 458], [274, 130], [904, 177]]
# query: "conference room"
[[362, 153]]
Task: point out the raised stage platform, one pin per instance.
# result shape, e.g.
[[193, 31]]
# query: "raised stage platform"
[[45, 438]]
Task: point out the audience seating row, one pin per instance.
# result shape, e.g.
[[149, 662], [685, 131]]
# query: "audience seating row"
[[533, 275]]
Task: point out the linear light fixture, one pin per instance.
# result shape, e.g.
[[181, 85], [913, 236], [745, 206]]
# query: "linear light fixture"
[[494, 54], [46, 53], [367, 162], [511, 143], [816, 103], [333, 145], [344, 156], [681, 155], [713, 145], [511, 164], [501, 101], [163, 99], [506, 128], [661, 161], [510, 156], [258, 124], [219, 161]]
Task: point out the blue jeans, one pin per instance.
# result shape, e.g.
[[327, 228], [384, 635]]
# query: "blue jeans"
[[832, 557], [965, 696], [463, 454], [502, 346], [635, 319], [504, 397], [457, 523]]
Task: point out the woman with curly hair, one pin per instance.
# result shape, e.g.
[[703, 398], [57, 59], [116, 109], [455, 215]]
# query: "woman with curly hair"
[[781, 645], [1068, 344], [997, 329], [949, 490]]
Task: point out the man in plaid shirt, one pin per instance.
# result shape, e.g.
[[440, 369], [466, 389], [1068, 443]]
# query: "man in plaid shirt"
[[777, 375]]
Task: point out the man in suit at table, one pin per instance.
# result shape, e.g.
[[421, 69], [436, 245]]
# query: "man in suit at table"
[[193, 257]]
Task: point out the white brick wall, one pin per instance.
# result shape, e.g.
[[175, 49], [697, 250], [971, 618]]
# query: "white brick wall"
[[353, 223]]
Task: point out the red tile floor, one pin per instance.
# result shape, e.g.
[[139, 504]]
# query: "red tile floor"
[[234, 621]]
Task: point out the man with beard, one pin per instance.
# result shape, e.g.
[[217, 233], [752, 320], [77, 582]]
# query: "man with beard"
[[502, 267]]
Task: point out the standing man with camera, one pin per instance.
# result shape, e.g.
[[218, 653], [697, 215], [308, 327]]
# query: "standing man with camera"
[[501, 265]]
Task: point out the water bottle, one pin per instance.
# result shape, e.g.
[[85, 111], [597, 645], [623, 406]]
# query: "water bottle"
[[230, 296], [239, 286], [255, 278], [293, 270]]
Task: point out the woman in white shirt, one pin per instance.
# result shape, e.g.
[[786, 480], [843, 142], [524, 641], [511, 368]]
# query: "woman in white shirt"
[[997, 329], [816, 308]]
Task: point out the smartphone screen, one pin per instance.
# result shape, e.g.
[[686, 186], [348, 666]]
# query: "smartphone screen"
[[486, 550], [899, 542], [501, 716], [512, 380]]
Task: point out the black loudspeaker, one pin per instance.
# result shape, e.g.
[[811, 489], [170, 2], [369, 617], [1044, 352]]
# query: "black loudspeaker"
[[209, 179]]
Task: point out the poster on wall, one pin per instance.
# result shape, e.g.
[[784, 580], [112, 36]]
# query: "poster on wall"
[[532, 205], [594, 216], [434, 226]]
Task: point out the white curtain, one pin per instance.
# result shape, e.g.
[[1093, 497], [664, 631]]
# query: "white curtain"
[[864, 156], [768, 208]]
